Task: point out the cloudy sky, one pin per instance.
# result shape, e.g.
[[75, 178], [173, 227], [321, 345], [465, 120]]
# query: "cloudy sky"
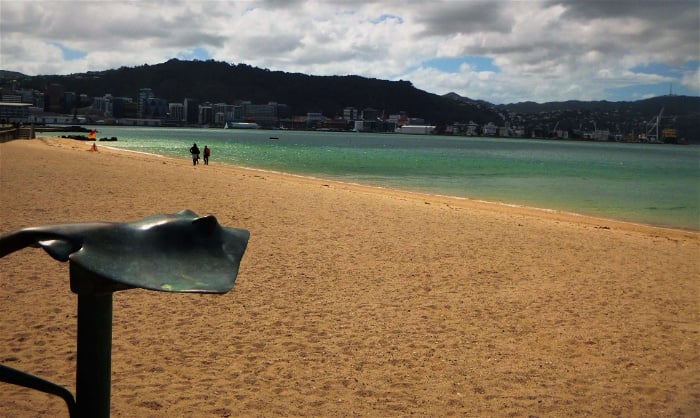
[[502, 51]]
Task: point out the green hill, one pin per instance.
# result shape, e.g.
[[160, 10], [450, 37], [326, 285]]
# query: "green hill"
[[220, 82], [215, 82]]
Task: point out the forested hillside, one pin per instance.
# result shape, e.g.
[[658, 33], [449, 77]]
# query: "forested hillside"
[[215, 82], [220, 82]]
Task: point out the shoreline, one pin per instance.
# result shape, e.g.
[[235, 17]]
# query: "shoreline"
[[563, 214], [353, 300], [587, 190]]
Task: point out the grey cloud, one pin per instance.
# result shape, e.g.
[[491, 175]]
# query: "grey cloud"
[[271, 45], [192, 39], [338, 37], [464, 17], [655, 10], [281, 4], [679, 16], [18, 17]]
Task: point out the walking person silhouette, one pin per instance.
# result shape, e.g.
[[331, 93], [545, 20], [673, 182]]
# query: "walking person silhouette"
[[194, 150], [207, 153]]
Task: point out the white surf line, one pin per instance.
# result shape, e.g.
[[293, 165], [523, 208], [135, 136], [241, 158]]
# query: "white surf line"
[[135, 152], [600, 219], [415, 192]]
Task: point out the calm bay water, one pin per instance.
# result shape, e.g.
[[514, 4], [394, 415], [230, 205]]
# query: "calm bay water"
[[652, 184]]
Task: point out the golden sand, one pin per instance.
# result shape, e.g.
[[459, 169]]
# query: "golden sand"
[[354, 301]]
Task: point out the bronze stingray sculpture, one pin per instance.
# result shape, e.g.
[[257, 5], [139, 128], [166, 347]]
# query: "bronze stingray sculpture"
[[179, 252]]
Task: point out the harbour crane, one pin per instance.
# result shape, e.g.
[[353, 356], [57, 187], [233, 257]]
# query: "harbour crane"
[[654, 127], [553, 132]]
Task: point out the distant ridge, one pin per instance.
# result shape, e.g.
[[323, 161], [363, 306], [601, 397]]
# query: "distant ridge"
[[673, 103], [624, 115], [216, 81], [4, 74]]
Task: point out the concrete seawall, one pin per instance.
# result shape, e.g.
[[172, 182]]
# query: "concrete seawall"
[[9, 133]]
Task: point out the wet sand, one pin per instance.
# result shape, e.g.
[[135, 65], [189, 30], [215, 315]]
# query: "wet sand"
[[354, 301]]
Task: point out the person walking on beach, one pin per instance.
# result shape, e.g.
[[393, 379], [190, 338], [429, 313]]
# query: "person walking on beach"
[[194, 150], [207, 153]]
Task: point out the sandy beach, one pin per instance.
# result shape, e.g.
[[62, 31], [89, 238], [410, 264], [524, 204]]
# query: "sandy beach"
[[354, 301]]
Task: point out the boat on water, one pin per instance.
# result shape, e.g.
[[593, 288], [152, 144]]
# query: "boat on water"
[[241, 125]]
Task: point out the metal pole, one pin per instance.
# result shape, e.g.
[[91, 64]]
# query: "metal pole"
[[94, 363], [94, 277]]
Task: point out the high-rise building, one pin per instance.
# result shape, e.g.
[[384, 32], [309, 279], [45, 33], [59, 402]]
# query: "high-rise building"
[[190, 111], [103, 104], [350, 113], [206, 115], [176, 112], [120, 107], [144, 95], [155, 108], [54, 99]]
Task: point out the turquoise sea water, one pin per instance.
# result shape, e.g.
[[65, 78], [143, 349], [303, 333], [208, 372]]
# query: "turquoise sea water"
[[644, 183]]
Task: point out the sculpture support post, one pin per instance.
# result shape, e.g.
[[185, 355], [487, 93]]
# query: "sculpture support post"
[[94, 363], [94, 352], [154, 253]]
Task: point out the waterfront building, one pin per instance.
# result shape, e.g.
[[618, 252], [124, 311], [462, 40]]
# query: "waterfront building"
[[70, 102], [155, 108], [370, 114], [262, 114], [144, 95], [121, 106], [399, 119], [12, 112], [350, 113], [53, 99], [313, 119], [175, 112], [472, 128], [206, 114], [415, 121], [103, 105], [490, 129], [219, 110], [11, 98], [190, 110]]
